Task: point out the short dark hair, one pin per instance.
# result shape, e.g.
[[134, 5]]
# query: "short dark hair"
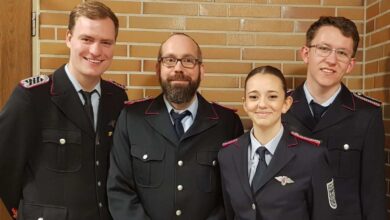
[[199, 51], [268, 70], [93, 10], [346, 26]]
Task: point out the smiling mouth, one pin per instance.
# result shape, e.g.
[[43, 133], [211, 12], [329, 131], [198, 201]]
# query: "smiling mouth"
[[94, 61], [327, 70]]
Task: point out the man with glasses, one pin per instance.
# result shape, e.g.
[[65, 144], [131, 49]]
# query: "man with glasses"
[[348, 124], [164, 155]]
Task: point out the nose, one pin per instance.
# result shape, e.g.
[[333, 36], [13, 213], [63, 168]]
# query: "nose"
[[179, 66], [95, 49], [261, 102], [332, 58]]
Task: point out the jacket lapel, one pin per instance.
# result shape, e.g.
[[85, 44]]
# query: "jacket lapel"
[[281, 158], [105, 114], [300, 109], [241, 162], [65, 97]]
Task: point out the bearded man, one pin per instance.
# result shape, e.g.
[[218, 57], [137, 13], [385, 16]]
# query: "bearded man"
[[164, 155]]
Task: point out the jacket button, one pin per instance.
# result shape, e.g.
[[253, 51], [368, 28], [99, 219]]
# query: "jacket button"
[[253, 206], [180, 187], [145, 156], [346, 146], [97, 163], [62, 141], [214, 163], [178, 212], [180, 163], [99, 183], [109, 134], [100, 205], [40, 218]]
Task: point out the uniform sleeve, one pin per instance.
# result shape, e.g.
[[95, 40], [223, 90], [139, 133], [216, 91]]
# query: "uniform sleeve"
[[324, 191], [124, 203], [229, 213], [372, 176], [16, 142]]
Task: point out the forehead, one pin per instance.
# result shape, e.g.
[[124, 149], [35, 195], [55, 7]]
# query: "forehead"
[[264, 82], [332, 36], [103, 28], [179, 45]]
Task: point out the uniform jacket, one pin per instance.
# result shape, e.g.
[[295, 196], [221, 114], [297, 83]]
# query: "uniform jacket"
[[154, 175], [51, 161], [352, 130], [295, 159]]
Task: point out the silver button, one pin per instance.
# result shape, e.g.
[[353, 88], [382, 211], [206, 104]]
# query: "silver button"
[[62, 141], [180, 163], [178, 212], [180, 187], [214, 162], [99, 183], [100, 204], [145, 156], [97, 163], [253, 206], [346, 146]]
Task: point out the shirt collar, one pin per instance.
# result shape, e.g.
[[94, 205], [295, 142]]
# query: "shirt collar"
[[309, 97], [77, 85], [271, 145], [192, 108]]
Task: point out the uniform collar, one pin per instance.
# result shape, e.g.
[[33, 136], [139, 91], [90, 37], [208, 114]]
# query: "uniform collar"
[[271, 145], [77, 85], [309, 97]]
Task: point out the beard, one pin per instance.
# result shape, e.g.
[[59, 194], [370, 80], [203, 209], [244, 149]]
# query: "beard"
[[177, 93]]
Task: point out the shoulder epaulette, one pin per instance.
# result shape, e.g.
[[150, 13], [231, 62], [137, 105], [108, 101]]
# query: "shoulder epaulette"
[[367, 99], [137, 100], [34, 81], [116, 84], [307, 139], [231, 109], [227, 143]]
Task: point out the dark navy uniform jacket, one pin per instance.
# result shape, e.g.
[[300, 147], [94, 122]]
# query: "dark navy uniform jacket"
[[352, 131], [51, 162], [154, 175], [297, 184]]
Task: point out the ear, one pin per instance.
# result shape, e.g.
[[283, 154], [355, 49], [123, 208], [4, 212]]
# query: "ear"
[[287, 104], [201, 70], [68, 37], [305, 54], [244, 104], [350, 66]]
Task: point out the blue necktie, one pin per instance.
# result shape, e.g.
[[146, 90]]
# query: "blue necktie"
[[88, 105], [177, 121], [261, 166], [318, 110]]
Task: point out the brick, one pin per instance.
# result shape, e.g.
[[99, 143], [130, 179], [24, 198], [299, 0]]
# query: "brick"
[[295, 2], [151, 92], [220, 82], [381, 36], [306, 12], [372, 11], [241, 39], [58, 5], [277, 65], [209, 38], [46, 18], [254, 11], [302, 26], [267, 25], [144, 51], [289, 82], [299, 81], [125, 65], [228, 67], [214, 24], [382, 20], [46, 33], [369, 83], [134, 94], [384, 6], [374, 53], [382, 81], [143, 36], [149, 65], [52, 62], [120, 50], [157, 22], [370, 26], [384, 65], [355, 83], [166, 8], [223, 96], [387, 48], [386, 114], [294, 69], [351, 13], [369, 2], [267, 54], [382, 96], [357, 70], [118, 78], [280, 40], [215, 10], [122, 21], [359, 55], [124, 6], [54, 48], [344, 3], [240, 1], [143, 80], [221, 53]]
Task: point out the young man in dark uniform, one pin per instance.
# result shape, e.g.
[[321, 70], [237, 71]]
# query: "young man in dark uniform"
[[57, 130], [349, 125], [164, 157]]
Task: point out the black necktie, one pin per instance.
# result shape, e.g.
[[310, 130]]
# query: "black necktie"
[[88, 105], [177, 121], [318, 110], [261, 166]]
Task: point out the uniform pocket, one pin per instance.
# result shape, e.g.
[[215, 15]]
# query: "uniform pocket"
[[32, 211], [148, 165], [208, 170], [61, 150], [345, 155]]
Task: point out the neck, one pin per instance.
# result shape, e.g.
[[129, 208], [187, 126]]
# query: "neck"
[[88, 83], [321, 94], [265, 135]]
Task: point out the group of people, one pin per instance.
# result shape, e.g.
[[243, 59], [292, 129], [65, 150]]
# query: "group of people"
[[72, 148]]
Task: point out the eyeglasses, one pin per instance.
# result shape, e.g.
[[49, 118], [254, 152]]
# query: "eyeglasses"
[[187, 62], [324, 50]]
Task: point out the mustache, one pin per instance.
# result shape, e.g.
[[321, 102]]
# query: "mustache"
[[179, 77]]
